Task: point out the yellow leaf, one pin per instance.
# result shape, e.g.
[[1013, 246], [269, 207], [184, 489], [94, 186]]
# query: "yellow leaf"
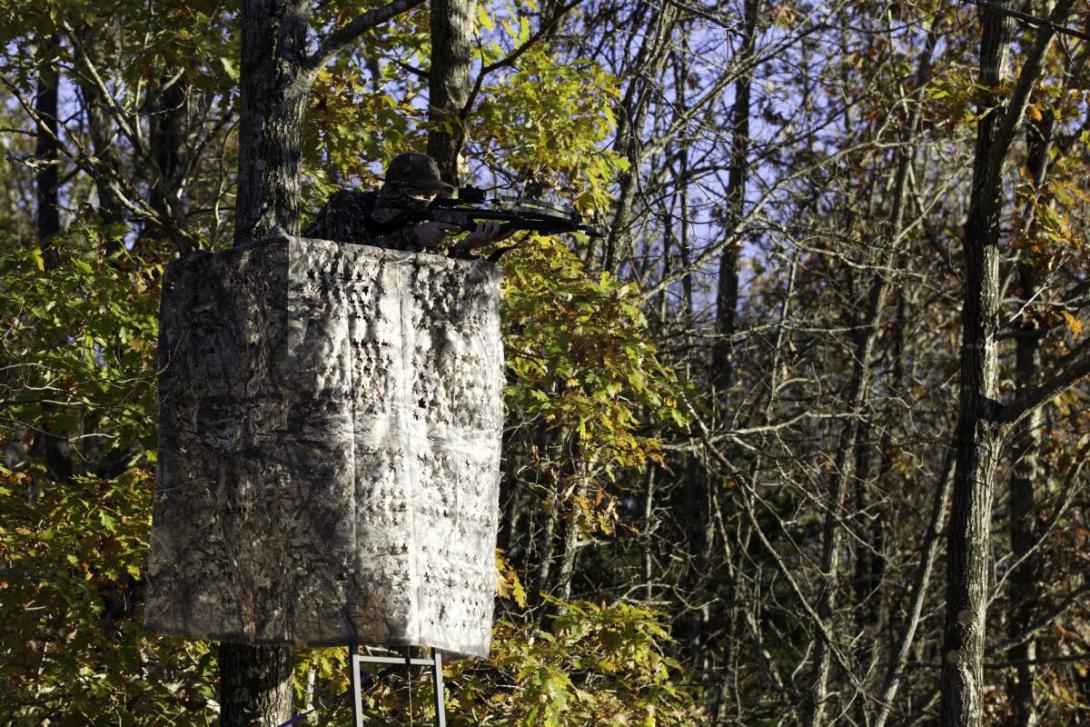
[[1073, 324], [1034, 113]]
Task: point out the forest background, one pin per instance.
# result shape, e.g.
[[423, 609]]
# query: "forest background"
[[802, 440]]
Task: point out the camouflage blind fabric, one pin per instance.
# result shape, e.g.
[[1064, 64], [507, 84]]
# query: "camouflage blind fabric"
[[329, 447]]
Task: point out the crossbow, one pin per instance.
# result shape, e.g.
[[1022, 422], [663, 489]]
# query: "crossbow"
[[470, 208]]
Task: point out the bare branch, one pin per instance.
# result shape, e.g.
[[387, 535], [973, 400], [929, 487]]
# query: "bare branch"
[[1067, 375], [343, 36]]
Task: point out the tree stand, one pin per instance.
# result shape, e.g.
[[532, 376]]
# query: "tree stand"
[[330, 424], [435, 662]]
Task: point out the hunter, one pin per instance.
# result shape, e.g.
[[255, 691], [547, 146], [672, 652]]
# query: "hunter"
[[412, 182]]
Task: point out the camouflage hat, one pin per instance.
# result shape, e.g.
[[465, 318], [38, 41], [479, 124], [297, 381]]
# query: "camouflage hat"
[[418, 171]]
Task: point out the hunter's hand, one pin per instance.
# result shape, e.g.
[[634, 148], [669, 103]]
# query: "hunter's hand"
[[486, 232], [431, 234]]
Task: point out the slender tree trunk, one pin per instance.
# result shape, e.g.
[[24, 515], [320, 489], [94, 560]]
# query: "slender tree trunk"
[[571, 546], [980, 429], [1026, 473], [448, 82], [47, 152], [726, 302], [167, 128], [631, 115], [928, 557], [1026, 469], [648, 534], [46, 444], [846, 459], [548, 544], [100, 126]]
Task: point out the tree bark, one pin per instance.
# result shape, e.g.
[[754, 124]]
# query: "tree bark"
[[631, 115], [977, 436], [981, 424], [277, 75], [255, 684], [100, 126], [648, 533], [255, 681], [572, 544], [272, 103], [46, 444], [980, 417], [167, 128], [276, 78], [452, 23], [895, 673]]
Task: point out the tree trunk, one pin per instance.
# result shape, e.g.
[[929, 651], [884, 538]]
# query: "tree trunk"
[[980, 428], [448, 82], [572, 544], [100, 126], [1025, 463], [255, 681], [648, 534], [977, 436], [47, 152], [548, 546], [1026, 472], [255, 685], [895, 672], [726, 302], [273, 101], [846, 458], [46, 444], [631, 115], [167, 128]]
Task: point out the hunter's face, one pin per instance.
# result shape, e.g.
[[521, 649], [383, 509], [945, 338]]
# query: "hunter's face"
[[422, 196]]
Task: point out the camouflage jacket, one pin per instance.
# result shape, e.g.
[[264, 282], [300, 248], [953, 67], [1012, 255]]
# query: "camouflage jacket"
[[350, 216]]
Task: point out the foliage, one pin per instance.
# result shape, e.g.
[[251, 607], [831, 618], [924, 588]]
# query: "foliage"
[[79, 349], [596, 664], [547, 122], [581, 356], [74, 646]]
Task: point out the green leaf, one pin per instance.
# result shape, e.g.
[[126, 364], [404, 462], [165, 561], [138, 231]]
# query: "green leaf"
[[229, 68]]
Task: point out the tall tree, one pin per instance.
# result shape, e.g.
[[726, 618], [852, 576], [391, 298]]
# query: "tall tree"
[[726, 300], [980, 427], [277, 74], [863, 345], [1025, 452]]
